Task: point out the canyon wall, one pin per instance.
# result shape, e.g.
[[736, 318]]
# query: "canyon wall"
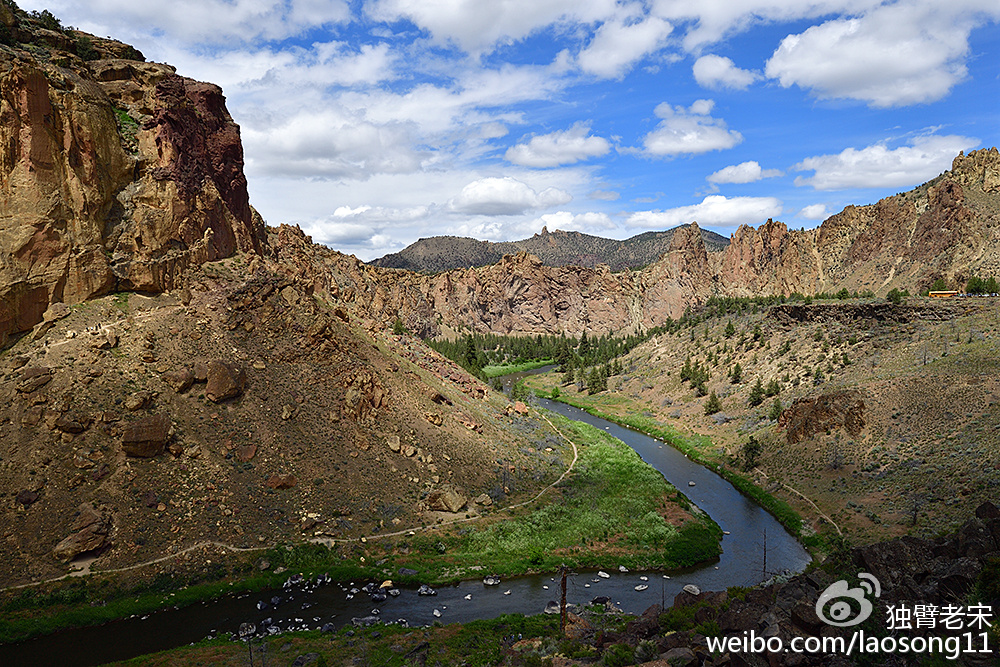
[[115, 174]]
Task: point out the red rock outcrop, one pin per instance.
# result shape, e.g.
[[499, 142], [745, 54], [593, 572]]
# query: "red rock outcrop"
[[807, 416], [114, 174]]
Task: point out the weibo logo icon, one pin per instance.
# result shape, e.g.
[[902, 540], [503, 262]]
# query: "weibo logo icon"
[[833, 607]]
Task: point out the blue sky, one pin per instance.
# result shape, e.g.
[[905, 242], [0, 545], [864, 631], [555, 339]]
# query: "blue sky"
[[371, 124]]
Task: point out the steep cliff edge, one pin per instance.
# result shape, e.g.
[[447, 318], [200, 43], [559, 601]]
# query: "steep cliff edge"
[[947, 228], [114, 173]]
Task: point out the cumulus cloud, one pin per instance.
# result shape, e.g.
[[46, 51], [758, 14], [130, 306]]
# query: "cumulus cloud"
[[878, 166], [200, 21], [713, 211], [710, 21], [814, 212], [618, 44], [579, 222], [332, 144], [689, 131], [505, 196], [744, 172], [718, 72], [896, 55], [477, 26], [559, 148]]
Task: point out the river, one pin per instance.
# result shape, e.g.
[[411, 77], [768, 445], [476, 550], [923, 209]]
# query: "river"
[[741, 564]]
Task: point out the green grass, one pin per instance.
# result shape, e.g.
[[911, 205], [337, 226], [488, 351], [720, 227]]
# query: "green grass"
[[610, 504], [496, 371], [697, 448]]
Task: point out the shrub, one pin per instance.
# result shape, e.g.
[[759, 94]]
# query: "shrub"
[[619, 655], [894, 296], [775, 410], [756, 394], [751, 453], [713, 404], [48, 20]]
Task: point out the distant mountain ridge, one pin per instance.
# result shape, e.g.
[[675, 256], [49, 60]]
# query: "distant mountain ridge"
[[558, 248]]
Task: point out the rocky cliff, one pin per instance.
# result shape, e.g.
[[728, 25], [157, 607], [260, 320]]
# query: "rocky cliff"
[[947, 228], [115, 173]]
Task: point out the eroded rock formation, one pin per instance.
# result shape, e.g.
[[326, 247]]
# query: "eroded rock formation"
[[114, 174]]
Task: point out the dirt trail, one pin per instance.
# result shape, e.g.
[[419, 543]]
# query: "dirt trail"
[[82, 567]]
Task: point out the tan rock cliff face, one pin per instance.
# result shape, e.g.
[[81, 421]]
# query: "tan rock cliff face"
[[114, 174], [947, 228]]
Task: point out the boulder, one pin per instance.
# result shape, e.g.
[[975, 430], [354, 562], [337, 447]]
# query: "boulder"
[[246, 452], [225, 381], [27, 497], [179, 380], [282, 481], [91, 531], [681, 655], [445, 499], [147, 437], [138, 401], [34, 378], [200, 371]]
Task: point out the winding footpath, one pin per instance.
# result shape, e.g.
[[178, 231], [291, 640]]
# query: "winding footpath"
[[84, 569]]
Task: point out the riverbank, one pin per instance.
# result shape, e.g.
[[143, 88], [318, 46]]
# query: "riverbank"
[[614, 510], [698, 448], [498, 371]]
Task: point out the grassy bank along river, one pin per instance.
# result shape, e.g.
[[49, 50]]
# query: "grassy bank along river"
[[699, 448], [612, 509]]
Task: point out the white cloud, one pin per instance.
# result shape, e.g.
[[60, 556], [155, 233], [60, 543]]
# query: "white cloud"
[[814, 212], [199, 21], [604, 195], [744, 172], [331, 143], [717, 72], [713, 211], [895, 55], [878, 166], [477, 26], [505, 196], [618, 44], [579, 222], [558, 148], [690, 131], [711, 21]]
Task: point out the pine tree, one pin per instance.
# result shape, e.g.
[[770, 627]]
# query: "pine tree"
[[730, 330], [751, 453], [713, 404], [756, 394]]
